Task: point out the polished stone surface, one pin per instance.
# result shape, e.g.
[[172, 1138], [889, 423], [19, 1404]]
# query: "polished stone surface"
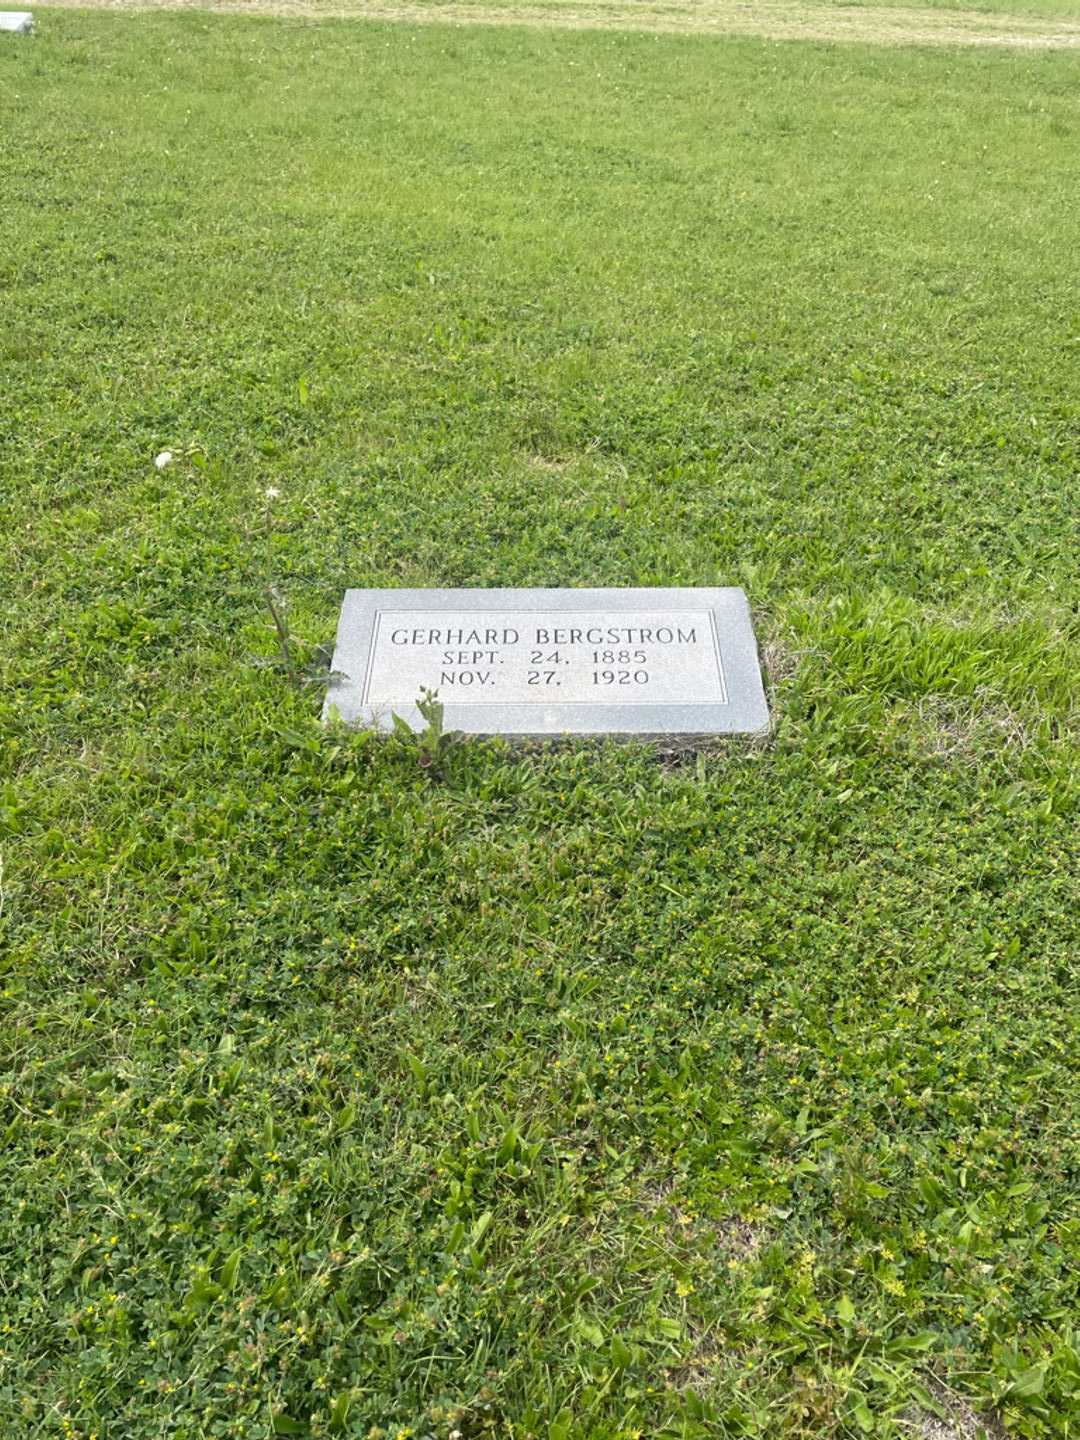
[[551, 662]]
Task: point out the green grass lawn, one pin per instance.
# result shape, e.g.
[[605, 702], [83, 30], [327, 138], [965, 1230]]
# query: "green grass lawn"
[[587, 1092]]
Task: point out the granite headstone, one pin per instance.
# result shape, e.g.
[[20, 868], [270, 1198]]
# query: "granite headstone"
[[551, 662]]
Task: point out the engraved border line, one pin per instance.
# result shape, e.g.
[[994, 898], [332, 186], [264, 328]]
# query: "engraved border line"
[[546, 699], [371, 658], [719, 660]]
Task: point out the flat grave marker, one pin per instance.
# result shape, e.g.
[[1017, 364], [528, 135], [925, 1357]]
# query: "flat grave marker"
[[651, 662]]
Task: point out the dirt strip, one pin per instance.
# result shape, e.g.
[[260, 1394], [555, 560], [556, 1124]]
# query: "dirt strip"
[[770, 19]]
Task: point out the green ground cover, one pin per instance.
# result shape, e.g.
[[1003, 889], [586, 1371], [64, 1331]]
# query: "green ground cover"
[[581, 1093]]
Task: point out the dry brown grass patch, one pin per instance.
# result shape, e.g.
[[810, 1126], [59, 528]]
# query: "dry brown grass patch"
[[699, 1371], [549, 464], [734, 1237], [737, 1238], [945, 727], [958, 1421], [770, 19]]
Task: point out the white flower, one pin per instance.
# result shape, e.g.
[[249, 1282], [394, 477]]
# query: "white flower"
[[272, 492], [164, 459]]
